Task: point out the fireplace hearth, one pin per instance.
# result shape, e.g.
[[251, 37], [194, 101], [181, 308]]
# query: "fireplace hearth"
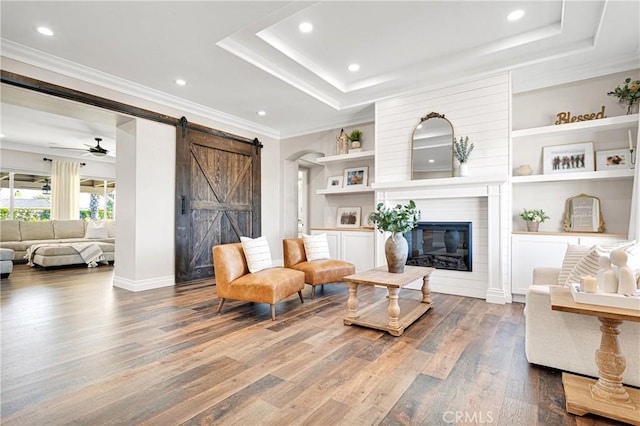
[[441, 245]]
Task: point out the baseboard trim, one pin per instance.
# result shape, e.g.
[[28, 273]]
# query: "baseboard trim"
[[142, 285]]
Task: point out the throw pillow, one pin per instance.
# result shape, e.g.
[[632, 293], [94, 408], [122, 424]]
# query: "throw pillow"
[[257, 253], [96, 229], [573, 254], [588, 264], [316, 247]]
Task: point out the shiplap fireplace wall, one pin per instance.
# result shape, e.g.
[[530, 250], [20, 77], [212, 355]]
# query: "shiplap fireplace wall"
[[480, 110]]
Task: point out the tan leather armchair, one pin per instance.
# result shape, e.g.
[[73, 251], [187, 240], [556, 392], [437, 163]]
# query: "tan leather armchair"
[[234, 281], [317, 272]]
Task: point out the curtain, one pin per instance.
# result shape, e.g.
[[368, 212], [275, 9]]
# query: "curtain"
[[65, 190], [634, 221]]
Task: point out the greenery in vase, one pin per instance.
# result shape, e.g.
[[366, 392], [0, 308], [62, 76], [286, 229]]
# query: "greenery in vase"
[[534, 215], [629, 91], [355, 135], [396, 219], [462, 149]]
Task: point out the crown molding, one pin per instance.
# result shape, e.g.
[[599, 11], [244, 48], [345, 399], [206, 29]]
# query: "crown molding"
[[40, 59], [356, 119]]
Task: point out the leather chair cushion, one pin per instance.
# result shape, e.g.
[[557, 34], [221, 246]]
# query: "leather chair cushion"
[[325, 271], [266, 286]]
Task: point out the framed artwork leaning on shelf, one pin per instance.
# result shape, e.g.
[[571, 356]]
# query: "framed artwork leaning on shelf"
[[355, 177], [613, 159], [577, 157], [334, 182], [348, 217]]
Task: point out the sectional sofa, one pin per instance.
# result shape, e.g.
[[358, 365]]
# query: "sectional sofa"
[[55, 239]]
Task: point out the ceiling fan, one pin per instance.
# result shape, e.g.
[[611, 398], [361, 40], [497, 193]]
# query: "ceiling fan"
[[96, 151]]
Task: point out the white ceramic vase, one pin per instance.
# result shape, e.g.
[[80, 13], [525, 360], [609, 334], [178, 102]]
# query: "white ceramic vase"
[[464, 169]]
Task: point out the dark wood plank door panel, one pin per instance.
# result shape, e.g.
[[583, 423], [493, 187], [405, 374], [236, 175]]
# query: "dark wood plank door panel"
[[218, 198]]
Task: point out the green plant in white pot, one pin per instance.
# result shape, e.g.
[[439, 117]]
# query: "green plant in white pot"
[[398, 220], [461, 150], [355, 136]]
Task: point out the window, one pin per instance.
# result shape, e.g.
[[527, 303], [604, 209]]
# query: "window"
[[28, 201]]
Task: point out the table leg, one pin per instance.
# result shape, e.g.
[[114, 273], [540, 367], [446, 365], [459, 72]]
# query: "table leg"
[[611, 364], [394, 308], [352, 302], [426, 292]]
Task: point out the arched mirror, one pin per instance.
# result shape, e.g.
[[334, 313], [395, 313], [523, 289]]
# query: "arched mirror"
[[432, 148]]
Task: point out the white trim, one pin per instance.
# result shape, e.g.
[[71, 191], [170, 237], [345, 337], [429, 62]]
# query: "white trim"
[[142, 285], [58, 65]]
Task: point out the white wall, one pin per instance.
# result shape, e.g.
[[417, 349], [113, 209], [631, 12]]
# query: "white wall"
[[146, 189], [478, 109]]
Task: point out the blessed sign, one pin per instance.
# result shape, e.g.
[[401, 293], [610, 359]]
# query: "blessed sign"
[[566, 117]]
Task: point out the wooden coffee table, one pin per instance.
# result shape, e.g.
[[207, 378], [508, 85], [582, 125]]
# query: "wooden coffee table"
[[400, 312], [607, 396]]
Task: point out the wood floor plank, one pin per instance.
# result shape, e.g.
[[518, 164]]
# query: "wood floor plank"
[[75, 350]]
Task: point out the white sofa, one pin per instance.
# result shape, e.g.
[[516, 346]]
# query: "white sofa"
[[20, 235], [568, 341]]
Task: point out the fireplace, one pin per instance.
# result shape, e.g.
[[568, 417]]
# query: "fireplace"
[[441, 245]]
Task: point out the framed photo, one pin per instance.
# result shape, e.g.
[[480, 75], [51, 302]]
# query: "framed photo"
[[613, 159], [355, 177], [348, 217], [577, 157], [334, 182]]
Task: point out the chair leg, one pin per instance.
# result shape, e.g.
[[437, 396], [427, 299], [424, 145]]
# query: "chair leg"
[[300, 294], [273, 312], [313, 291], [220, 305]]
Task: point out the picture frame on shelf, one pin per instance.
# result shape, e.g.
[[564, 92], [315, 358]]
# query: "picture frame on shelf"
[[348, 217], [613, 159], [355, 177], [334, 182], [571, 158]]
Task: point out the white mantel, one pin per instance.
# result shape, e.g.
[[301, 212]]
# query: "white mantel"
[[493, 189]]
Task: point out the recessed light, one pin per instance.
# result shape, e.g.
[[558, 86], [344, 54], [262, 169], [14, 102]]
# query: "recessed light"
[[431, 160], [305, 27], [45, 31], [181, 82], [1, 135], [354, 67], [262, 113], [515, 15]]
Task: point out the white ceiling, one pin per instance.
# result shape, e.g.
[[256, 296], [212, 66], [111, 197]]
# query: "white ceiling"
[[241, 57]]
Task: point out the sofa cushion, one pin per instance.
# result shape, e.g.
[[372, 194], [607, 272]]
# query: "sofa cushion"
[[10, 230], [257, 253], [36, 230], [316, 247], [68, 228], [111, 228], [96, 229]]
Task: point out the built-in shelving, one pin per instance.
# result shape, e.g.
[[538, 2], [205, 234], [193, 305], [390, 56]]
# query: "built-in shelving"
[[362, 155], [571, 234], [577, 176], [344, 191], [609, 123]]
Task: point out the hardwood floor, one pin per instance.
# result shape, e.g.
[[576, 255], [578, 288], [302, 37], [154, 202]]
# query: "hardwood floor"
[[77, 351]]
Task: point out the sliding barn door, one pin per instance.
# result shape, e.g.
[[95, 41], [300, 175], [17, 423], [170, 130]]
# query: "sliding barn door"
[[217, 198]]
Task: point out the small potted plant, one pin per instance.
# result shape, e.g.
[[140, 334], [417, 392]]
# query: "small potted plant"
[[533, 218], [398, 220], [355, 136], [461, 150], [629, 93]]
